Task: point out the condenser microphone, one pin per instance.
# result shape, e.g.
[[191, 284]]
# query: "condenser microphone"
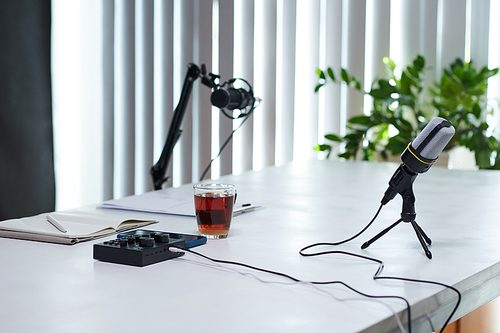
[[419, 156], [422, 152], [232, 98]]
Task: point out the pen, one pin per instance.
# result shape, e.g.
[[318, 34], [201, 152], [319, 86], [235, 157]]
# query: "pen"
[[56, 223], [244, 208], [247, 209]]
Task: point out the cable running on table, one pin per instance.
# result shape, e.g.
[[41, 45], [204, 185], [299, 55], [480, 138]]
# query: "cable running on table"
[[377, 276]]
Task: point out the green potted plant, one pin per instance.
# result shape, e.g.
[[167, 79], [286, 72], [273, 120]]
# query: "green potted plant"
[[399, 112]]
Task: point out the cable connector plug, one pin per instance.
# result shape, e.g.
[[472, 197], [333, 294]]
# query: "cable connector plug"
[[175, 249]]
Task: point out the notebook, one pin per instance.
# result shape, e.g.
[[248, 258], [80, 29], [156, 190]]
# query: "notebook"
[[80, 226], [160, 203]]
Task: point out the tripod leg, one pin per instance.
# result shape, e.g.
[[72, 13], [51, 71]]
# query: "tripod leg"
[[421, 239], [427, 239], [380, 234]]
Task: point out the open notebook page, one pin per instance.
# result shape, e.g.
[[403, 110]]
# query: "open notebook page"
[[78, 224]]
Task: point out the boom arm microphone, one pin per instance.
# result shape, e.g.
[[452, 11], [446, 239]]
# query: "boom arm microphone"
[[232, 98], [419, 156]]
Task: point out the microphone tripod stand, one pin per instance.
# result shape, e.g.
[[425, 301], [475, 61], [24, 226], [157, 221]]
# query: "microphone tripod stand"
[[407, 215]]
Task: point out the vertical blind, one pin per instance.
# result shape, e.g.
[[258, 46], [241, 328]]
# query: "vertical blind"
[[115, 93]]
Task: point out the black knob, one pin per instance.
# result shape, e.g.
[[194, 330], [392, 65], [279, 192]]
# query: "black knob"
[[147, 241], [161, 237], [164, 238], [150, 242]]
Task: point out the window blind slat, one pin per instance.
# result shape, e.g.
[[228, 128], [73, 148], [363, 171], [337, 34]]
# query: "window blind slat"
[[265, 82], [125, 98], [451, 33], [378, 32], [354, 57], [182, 172], [163, 76], [202, 118], [479, 25], [243, 68], [409, 32], [145, 97], [226, 61], [332, 58], [108, 55], [307, 60], [378, 38], [494, 60], [428, 40], [286, 77], [90, 119]]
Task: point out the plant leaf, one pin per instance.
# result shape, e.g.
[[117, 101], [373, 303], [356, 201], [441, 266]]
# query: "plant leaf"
[[386, 86], [331, 74], [333, 137], [379, 94], [388, 61], [361, 120], [322, 147], [345, 76], [321, 74], [419, 62]]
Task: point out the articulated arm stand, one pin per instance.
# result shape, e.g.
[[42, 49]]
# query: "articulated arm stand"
[[159, 169], [230, 98], [407, 215]]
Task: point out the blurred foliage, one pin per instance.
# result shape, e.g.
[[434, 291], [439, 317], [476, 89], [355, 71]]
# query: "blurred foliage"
[[399, 111]]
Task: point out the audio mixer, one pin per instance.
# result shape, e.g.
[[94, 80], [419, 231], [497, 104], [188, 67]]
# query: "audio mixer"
[[144, 247]]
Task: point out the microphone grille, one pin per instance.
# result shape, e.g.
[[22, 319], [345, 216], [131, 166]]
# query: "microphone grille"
[[433, 138]]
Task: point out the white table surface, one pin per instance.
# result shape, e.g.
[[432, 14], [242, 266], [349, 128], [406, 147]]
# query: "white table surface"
[[59, 288]]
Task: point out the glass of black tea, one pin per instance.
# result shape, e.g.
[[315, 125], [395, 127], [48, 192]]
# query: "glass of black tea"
[[214, 208]]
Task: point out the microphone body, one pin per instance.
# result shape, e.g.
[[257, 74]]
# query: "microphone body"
[[419, 156], [232, 98]]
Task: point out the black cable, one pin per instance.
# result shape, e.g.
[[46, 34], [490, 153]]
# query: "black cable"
[[312, 282], [381, 267], [429, 282], [350, 238], [376, 276], [247, 115]]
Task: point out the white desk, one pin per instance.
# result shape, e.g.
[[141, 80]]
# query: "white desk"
[[59, 288]]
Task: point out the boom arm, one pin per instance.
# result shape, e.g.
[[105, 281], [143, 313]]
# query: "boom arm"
[[160, 168]]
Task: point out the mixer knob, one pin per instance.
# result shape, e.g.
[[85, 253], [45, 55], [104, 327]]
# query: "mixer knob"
[[161, 237], [150, 242], [146, 241]]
